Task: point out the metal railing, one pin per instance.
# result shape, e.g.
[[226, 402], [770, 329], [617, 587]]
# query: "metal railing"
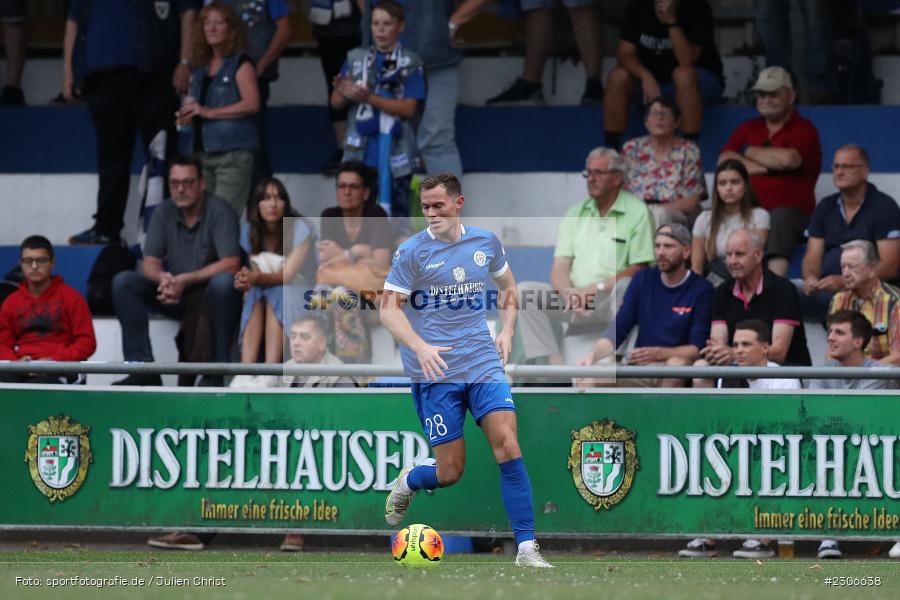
[[383, 370]]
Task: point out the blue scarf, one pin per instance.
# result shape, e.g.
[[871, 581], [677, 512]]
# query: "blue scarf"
[[151, 187], [370, 121]]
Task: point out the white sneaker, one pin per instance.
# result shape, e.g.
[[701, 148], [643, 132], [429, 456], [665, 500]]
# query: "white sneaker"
[[894, 552], [398, 500], [698, 548], [829, 549], [755, 549], [530, 556]]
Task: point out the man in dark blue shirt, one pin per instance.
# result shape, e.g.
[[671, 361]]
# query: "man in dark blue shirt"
[[129, 59], [669, 303], [859, 211]]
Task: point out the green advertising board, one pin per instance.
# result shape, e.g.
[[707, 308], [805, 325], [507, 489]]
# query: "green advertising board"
[[791, 464]]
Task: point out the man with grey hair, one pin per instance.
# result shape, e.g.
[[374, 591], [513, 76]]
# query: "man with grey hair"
[[858, 211], [752, 292], [877, 301], [783, 155], [602, 242]]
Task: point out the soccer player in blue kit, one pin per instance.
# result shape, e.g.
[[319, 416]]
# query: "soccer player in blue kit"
[[434, 304]]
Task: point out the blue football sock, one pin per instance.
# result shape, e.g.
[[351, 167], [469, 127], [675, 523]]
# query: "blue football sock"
[[422, 477], [515, 488]]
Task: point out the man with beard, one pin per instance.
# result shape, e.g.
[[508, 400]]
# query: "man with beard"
[[671, 306]]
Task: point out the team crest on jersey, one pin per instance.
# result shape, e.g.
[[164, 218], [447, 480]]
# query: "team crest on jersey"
[[480, 258], [459, 274], [603, 459], [58, 455], [162, 9]]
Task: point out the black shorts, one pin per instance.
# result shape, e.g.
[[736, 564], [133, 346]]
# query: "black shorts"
[[13, 11], [788, 230]]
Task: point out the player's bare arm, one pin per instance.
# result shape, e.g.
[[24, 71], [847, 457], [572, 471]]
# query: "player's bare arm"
[[395, 321], [508, 306]]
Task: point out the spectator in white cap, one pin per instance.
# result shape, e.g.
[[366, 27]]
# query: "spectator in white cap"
[[783, 155]]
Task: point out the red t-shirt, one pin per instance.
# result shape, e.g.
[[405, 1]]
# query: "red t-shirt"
[[796, 189]]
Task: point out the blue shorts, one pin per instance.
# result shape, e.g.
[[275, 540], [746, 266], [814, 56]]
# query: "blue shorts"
[[442, 406], [711, 87]]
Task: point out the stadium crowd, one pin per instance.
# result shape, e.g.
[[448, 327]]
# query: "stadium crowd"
[[639, 255]]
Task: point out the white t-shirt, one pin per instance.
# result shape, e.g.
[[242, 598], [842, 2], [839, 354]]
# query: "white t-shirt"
[[760, 220], [770, 384]]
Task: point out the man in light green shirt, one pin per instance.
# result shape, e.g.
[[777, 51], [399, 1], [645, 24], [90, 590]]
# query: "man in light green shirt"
[[602, 242]]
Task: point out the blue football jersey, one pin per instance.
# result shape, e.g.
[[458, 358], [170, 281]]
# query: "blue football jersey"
[[447, 285]]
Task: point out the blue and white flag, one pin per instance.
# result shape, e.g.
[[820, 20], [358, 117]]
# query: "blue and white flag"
[[151, 187]]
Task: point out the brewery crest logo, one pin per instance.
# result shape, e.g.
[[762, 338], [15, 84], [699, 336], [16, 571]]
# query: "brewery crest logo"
[[58, 454], [603, 459]]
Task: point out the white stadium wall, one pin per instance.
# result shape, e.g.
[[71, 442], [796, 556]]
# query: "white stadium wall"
[[62, 204]]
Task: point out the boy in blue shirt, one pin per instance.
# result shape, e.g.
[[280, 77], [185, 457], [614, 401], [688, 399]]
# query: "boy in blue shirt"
[[383, 85]]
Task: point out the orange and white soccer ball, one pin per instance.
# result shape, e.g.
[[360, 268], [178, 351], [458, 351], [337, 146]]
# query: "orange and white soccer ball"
[[417, 546]]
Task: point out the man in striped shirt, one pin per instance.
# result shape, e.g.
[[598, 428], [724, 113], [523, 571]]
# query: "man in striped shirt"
[[877, 301]]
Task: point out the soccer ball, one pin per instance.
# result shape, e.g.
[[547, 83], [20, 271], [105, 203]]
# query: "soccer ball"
[[417, 546]]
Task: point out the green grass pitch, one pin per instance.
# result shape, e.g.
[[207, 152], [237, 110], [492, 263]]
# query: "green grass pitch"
[[260, 576]]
